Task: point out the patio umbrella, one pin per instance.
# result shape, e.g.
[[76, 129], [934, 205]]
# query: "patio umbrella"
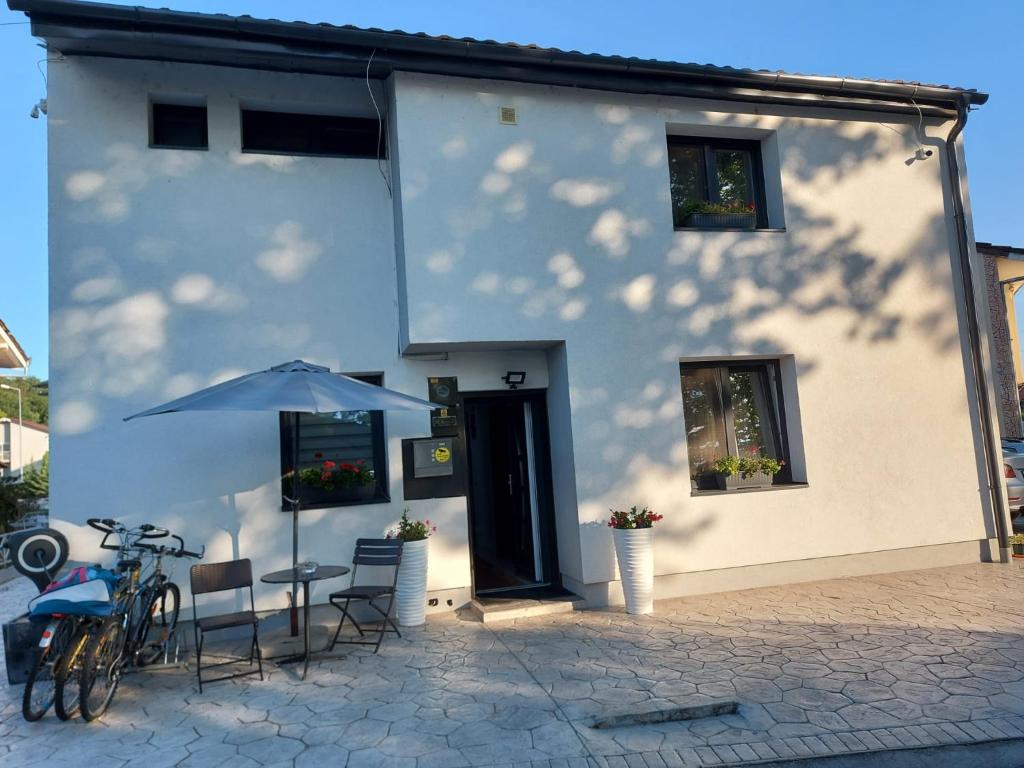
[[296, 387]]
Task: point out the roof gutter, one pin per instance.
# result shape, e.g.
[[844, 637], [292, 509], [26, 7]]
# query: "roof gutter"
[[991, 445], [135, 32]]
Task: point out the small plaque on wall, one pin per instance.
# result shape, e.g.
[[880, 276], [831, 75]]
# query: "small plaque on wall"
[[433, 468], [432, 458]]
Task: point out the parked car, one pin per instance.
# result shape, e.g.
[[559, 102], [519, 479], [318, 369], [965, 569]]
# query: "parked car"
[[1013, 471]]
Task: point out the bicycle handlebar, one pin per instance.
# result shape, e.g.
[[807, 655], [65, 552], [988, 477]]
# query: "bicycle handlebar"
[[105, 525]]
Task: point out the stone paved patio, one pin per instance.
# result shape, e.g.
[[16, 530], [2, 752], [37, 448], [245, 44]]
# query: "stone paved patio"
[[850, 665]]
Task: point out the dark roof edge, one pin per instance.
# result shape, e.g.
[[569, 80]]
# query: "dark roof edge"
[[999, 250], [413, 52]]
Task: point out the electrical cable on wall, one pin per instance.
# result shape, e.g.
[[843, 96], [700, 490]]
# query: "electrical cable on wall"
[[922, 153], [380, 124]]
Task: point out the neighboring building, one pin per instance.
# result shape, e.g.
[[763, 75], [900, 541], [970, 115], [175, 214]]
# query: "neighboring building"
[[11, 353], [220, 202], [1004, 276], [21, 445]]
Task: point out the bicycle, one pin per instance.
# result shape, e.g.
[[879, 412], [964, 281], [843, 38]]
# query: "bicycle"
[[143, 621]]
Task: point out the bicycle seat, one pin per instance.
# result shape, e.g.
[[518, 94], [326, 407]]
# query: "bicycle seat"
[[129, 565]]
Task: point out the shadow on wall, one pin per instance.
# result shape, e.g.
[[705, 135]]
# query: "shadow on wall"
[[595, 258]]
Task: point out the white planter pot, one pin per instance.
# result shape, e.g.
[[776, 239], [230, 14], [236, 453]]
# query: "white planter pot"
[[411, 592], [635, 553]]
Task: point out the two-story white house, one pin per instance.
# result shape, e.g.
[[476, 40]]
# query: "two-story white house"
[[615, 271]]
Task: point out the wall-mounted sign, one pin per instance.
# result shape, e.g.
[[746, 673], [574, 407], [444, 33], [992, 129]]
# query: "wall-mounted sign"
[[444, 390], [432, 458]]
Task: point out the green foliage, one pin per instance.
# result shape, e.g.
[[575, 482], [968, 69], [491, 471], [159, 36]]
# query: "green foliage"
[[746, 465], [731, 206], [633, 518], [13, 503], [35, 399], [411, 530], [35, 484]]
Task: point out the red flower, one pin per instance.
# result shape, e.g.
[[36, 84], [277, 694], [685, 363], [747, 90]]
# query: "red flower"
[[329, 465], [318, 455], [750, 207], [348, 467]]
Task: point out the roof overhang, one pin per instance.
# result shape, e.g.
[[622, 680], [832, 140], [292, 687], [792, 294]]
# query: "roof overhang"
[[11, 353], [99, 29]]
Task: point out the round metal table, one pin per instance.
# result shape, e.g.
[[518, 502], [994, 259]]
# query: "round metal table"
[[298, 575]]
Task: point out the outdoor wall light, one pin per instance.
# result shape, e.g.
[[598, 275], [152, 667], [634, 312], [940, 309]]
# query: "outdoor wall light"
[[514, 379]]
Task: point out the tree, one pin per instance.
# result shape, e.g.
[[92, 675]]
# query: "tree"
[[35, 399], [35, 483]]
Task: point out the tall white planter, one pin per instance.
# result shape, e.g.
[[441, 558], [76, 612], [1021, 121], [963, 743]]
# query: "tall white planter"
[[411, 591], [635, 553]]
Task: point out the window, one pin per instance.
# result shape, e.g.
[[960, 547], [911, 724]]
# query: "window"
[[342, 456], [178, 126], [297, 134], [732, 410], [723, 174]]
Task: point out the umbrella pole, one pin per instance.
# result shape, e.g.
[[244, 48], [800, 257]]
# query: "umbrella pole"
[[294, 617]]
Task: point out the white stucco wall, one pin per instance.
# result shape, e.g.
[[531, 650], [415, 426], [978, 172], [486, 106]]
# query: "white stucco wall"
[[174, 269], [561, 228]]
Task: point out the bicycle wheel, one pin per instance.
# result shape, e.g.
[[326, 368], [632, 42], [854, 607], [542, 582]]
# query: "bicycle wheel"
[[41, 688], [101, 668], [161, 622], [67, 674]]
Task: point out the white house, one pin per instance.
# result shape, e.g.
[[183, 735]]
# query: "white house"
[[220, 202], [22, 445]]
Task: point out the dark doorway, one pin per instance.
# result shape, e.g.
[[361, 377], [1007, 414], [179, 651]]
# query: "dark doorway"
[[510, 509]]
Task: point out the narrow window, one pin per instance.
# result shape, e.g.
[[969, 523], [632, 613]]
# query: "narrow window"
[[732, 410], [291, 133], [716, 183], [178, 126], [342, 457]]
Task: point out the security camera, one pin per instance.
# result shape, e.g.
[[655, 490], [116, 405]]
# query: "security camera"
[[40, 106], [34, 114]]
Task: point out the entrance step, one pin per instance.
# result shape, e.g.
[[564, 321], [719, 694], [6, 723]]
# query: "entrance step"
[[489, 609]]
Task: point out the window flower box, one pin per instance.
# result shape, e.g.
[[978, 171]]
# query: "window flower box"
[[743, 480], [721, 220], [735, 472]]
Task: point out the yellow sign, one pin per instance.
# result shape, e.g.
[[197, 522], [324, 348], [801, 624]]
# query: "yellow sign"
[[442, 455]]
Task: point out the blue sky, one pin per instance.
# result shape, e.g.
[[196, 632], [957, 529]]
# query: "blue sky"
[[974, 45]]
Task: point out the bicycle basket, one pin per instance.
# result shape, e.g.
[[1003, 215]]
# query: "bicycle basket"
[[83, 592]]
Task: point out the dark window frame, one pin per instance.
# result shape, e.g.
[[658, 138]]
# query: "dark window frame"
[[777, 414], [382, 490], [157, 105], [313, 128], [755, 168]]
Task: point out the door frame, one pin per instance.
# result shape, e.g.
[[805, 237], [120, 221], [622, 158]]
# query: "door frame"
[[543, 478]]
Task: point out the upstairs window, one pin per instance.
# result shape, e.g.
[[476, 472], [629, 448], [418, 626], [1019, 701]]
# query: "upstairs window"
[[291, 133], [716, 183], [177, 126], [732, 409], [342, 456]]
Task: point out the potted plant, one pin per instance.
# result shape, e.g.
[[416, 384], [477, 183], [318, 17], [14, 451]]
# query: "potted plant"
[[358, 479], [411, 590], [733, 472], [1017, 542], [632, 532], [726, 215]]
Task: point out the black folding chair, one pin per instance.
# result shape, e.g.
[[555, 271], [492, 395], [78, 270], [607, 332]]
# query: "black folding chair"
[[224, 577], [378, 553]]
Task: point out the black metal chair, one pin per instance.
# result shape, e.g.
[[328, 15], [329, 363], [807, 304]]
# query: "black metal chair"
[[378, 553], [223, 577]]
